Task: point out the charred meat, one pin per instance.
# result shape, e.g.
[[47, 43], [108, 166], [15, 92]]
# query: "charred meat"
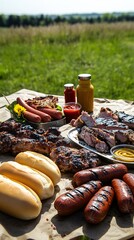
[[15, 138], [73, 160], [90, 137], [110, 124], [126, 118]]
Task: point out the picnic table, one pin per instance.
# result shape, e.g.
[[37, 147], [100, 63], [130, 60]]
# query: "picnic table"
[[49, 225]]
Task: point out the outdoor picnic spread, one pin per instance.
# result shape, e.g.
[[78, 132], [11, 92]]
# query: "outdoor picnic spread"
[[64, 180]]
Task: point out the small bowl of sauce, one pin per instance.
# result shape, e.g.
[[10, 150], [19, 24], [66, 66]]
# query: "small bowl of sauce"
[[71, 111], [123, 152]]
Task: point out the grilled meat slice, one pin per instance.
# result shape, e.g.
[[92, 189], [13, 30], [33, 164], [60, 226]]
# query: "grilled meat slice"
[[84, 119], [26, 144], [90, 137], [73, 160], [126, 118], [110, 124], [103, 135], [107, 113], [124, 136]]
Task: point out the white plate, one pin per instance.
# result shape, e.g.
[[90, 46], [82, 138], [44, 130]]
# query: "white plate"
[[73, 136]]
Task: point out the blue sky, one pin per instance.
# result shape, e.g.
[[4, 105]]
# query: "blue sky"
[[64, 6]]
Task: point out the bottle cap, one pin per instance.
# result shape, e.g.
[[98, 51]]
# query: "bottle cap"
[[84, 76], [68, 85]]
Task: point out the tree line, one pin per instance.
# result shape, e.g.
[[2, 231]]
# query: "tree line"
[[45, 20]]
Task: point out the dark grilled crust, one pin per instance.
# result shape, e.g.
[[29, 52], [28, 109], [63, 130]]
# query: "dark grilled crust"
[[76, 198], [73, 160], [99, 205]]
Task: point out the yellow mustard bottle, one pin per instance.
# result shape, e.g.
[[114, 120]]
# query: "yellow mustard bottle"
[[85, 92]]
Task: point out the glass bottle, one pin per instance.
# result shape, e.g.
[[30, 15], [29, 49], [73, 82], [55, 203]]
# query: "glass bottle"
[[69, 92], [85, 92]]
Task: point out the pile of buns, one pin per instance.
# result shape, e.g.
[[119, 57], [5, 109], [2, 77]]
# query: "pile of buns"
[[25, 182]]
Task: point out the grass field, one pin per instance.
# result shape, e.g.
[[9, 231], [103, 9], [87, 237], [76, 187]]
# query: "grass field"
[[45, 58]]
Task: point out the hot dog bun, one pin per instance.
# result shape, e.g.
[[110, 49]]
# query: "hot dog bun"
[[18, 200], [41, 163], [34, 179]]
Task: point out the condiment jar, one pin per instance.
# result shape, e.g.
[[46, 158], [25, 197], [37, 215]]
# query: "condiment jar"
[[85, 92], [69, 92]]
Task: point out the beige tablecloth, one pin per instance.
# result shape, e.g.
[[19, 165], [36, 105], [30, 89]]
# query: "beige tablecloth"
[[49, 225]]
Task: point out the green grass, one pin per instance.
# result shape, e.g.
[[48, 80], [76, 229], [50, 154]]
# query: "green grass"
[[45, 58]]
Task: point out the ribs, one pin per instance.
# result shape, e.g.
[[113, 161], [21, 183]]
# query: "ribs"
[[15, 138], [90, 137]]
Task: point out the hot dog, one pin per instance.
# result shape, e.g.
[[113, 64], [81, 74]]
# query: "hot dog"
[[44, 117], [124, 196], [98, 207], [76, 198], [32, 117], [129, 179], [55, 114], [103, 173]]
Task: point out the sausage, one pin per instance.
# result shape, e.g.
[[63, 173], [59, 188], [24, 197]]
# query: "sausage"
[[44, 117], [55, 114], [76, 198], [129, 179], [103, 173], [124, 196], [99, 205], [31, 117]]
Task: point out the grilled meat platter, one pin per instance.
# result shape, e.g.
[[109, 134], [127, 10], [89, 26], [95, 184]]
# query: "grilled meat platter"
[[106, 130]]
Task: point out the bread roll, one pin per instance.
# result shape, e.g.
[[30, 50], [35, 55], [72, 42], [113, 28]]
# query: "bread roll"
[[41, 163], [34, 179], [18, 200]]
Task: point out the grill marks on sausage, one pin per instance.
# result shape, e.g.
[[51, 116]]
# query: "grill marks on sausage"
[[98, 207], [76, 198], [103, 173]]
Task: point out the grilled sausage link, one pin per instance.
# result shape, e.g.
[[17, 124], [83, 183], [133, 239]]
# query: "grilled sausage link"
[[124, 196], [99, 205], [44, 116], [103, 173], [76, 198], [129, 179]]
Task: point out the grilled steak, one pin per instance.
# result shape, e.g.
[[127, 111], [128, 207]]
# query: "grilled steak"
[[124, 136], [109, 124], [73, 160], [105, 120], [105, 136], [90, 137], [84, 119], [126, 118]]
